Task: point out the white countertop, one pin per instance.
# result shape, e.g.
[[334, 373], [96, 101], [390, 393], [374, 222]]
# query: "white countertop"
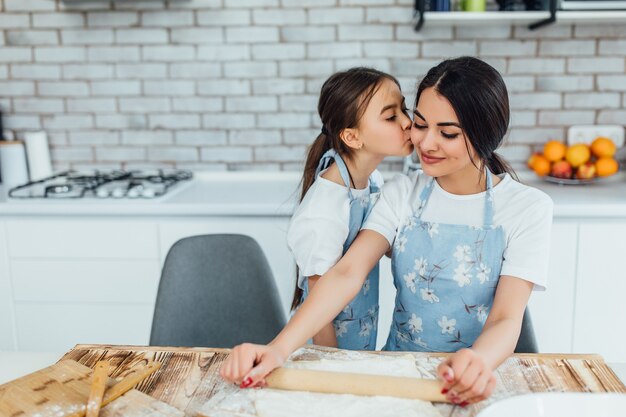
[[276, 194]]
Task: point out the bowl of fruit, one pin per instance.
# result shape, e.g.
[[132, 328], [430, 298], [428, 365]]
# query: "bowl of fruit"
[[577, 163]]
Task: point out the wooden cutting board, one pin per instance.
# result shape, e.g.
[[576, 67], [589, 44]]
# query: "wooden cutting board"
[[189, 377], [63, 389]]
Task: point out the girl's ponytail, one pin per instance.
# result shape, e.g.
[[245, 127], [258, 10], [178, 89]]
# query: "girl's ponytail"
[[319, 146]]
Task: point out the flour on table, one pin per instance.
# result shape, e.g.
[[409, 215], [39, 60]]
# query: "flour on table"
[[276, 403], [231, 401], [383, 365], [279, 403]]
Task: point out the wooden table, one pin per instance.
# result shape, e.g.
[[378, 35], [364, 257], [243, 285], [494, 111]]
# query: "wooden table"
[[189, 377]]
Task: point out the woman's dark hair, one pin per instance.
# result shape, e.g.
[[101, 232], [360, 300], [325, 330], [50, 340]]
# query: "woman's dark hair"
[[480, 100], [343, 100]]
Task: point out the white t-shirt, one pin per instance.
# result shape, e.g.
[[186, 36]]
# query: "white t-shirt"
[[525, 214], [320, 225]]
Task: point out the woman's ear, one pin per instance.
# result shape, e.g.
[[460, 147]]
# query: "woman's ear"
[[350, 137]]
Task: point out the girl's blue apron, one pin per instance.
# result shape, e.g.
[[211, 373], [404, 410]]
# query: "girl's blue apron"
[[356, 326]]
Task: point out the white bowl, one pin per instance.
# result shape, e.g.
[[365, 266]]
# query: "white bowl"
[[562, 404]]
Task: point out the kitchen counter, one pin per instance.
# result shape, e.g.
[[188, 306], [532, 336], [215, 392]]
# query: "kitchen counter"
[[276, 194]]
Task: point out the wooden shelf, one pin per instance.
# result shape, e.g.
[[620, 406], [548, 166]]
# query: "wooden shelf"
[[522, 17]]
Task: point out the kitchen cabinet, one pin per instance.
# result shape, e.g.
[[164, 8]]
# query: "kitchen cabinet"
[[600, 290], [95, 279], [7, 334], [90, 279], [84, 239], [552, 310]]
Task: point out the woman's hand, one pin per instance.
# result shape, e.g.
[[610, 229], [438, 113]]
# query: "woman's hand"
[[248, 364], [467, 378]]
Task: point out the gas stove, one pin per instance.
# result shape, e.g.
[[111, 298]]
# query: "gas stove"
[[113, 184]]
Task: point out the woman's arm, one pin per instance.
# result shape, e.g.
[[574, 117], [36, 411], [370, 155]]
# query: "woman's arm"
[[469, 372], [326, 336], [332, 292]]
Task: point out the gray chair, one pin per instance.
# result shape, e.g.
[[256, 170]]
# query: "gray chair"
[[216, 291], [527, 343]]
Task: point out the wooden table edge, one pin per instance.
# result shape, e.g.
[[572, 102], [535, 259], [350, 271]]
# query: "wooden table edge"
[[593, 356]]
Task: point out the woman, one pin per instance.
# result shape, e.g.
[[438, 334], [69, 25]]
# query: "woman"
[[469, 243]]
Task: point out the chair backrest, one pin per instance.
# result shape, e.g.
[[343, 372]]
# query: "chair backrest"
[[527, 343], [216, 291]]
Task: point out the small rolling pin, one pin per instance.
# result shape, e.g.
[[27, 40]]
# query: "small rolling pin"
[[356, 384]]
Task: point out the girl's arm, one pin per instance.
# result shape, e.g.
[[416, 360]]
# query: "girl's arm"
[[326, 336], [332, 292], [468, 373]]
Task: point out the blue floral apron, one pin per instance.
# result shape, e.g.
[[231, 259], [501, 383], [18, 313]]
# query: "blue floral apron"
[[356, 325], [445, 277]]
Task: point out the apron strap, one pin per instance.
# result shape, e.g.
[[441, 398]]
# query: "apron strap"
[[325, 161], [424, 195], [489, 203]]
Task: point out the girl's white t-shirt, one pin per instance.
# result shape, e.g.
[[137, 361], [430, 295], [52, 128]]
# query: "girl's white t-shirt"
[[320, 224], [525, 214]]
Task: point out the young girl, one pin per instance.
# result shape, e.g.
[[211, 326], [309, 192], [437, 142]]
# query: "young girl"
[[469, 243], [364, 120]]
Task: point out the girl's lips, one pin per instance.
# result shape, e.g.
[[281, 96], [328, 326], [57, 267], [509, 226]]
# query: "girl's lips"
[[430, 159]]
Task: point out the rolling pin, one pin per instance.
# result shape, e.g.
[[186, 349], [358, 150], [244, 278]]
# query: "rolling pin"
[[355, 384]]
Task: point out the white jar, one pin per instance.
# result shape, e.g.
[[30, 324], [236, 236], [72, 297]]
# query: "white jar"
[[13, 169]]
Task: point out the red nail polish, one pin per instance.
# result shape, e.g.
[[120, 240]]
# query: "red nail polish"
[[464, 404], [246, 382], [445, 391]]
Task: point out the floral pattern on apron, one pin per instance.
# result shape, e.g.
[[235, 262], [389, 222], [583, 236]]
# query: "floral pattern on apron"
[[445, 277]]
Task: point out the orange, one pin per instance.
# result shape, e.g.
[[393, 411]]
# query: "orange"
[[540, 164], [602, 147], [577, 154], [606, 166], [554, 150]]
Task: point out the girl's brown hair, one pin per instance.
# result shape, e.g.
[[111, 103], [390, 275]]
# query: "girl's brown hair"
[[343, 100]]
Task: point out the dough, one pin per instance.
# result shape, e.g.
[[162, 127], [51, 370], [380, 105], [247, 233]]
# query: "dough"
[[278, 403], [385, 365]]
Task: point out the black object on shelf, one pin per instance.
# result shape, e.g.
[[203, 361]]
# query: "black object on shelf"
[[1, 126], [419, 7], [547, 21], [419, 13]]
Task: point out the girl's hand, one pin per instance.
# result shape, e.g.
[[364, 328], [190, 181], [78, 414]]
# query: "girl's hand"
[[467, 378], [248, 364]]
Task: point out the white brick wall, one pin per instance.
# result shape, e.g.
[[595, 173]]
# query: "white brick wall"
[[144, 36], [38, 105], [233, 84], [31, 37], [87, 71], [56, 20], [200, 137], [64, 88], [35, 72], [144, 105]]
